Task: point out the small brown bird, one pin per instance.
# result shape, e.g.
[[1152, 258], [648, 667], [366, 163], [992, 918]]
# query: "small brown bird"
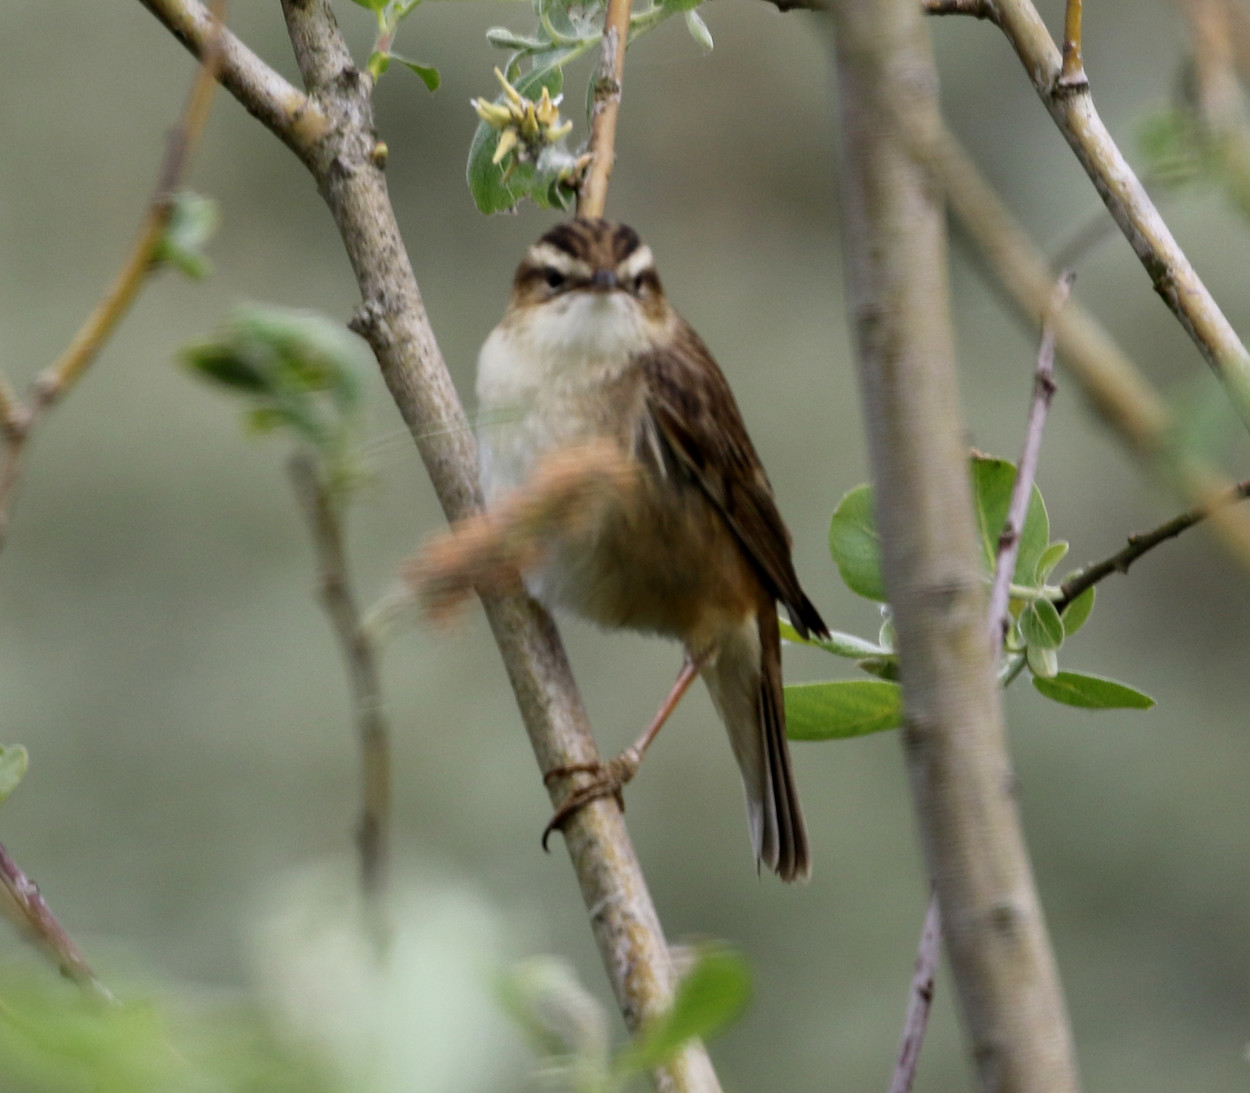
[[588, 350]]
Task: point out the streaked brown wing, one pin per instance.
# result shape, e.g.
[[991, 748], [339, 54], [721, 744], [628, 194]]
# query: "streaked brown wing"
[[698, 421]]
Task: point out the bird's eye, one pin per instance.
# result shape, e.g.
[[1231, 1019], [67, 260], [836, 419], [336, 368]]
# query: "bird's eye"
[[640, 285], [555, 279]]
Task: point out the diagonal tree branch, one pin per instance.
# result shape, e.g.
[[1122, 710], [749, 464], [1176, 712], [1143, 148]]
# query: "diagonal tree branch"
[[339, 151], [1170, 271]]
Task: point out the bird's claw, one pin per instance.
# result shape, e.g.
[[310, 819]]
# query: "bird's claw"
[[609, 781]]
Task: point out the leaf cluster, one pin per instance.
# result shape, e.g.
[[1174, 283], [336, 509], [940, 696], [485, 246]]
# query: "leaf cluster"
[[1036, 631], [566, 30], [299, 372]]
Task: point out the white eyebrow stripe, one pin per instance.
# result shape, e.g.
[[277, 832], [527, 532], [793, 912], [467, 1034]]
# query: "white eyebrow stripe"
[[638, 262], [544, 254]]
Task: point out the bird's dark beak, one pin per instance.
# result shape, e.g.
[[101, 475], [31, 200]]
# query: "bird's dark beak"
[[604, 280]]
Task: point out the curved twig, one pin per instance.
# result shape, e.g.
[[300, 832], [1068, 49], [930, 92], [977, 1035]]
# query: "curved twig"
[[18, 419], [1145, 541], [374, 829]]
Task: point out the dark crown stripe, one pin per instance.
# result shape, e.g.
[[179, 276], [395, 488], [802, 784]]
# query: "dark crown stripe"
[[599, 242]]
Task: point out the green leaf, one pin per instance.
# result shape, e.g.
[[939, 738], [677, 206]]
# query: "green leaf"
[[372, 5], [1041, 626], [711, 996], [842, 708], [506, 38], [491, 192], [855, 544], [881, 667], [992, 483], [192, 220], [378, 63], [1051, 557], [428, 73], [224, 365], [838, 643], [698, 30], [1092, 692], [1042, 661], [13, 763], [1075, 614]]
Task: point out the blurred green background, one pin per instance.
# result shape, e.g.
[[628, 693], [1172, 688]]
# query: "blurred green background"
[[163, 657]]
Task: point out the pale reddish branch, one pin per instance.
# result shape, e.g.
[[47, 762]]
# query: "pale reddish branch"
[[344, 162], [360, 657], [1026, 469], [1145, 541], [919, 999], [17, 418], [44, 927], [605, 109]]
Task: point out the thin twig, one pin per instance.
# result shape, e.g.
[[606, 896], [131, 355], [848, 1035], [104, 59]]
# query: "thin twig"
[[58, 378], [1026, 470], [374, 830], [1072, 77], [1145, 541], [593, 196], [43, 924], [1171, 273], [919, 999]]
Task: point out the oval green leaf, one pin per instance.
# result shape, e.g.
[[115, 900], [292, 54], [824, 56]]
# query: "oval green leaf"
[[13, 763], [1092, 692], [429, 75], [838, 643], [1041, 626], [709, 997], [1075, 614], [1051, 557], [1042, 662], [992, 483], [856, 546], [842, 709]]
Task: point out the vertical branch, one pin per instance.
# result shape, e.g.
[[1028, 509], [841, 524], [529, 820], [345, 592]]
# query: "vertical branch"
[[373, 830], [960, 771], [1026, 468], [920, 1000], [607, 107]]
